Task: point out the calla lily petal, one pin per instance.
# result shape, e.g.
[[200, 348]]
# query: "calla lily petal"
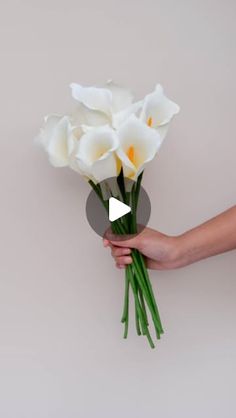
[[120, 117], [94, 98], [162, 130], [46, 132], [57, 139], [121, 97], [82, 115]]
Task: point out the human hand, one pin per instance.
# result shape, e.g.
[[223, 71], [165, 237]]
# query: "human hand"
[[161, 251]]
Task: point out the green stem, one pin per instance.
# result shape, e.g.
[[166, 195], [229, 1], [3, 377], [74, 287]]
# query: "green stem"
[[147, 298], [133, 211], [143, 285], [121, 184], [140, 311], [146, 293], [143, 266], [144, 269], [136, 305], [143, 303], [125, 316], [99, 194], [126, 299], [138, 186]]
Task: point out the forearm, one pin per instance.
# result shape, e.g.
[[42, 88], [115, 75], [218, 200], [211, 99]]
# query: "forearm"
[[213, 237]]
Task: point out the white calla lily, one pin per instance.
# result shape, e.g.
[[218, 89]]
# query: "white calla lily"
[[158, 110], [101, 102], [58, 139], [138, 145], [96, 154]]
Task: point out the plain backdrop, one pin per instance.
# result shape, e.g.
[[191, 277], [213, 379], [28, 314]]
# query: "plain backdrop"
[[62, 354]]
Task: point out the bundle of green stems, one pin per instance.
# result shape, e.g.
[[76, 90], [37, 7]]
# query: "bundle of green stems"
[[136, 274]]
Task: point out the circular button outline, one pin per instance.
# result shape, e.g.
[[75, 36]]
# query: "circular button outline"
[[97, 215]]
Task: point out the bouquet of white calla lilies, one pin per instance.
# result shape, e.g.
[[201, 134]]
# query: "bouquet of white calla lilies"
[[110, 136]]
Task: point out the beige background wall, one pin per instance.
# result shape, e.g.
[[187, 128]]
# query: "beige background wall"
[[61, 349]]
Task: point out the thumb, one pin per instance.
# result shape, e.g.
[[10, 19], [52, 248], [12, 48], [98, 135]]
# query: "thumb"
[[128, 241]]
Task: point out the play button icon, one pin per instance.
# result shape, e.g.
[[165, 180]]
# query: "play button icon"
[[117, 209], [100, 216]]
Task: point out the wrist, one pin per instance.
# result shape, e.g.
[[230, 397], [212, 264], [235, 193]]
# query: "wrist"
[[189, 248], [179, 252]]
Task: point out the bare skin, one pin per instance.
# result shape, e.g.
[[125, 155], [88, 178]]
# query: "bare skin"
[[164, 252]]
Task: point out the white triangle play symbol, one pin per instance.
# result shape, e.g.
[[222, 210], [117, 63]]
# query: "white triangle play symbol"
[[117, 209]]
